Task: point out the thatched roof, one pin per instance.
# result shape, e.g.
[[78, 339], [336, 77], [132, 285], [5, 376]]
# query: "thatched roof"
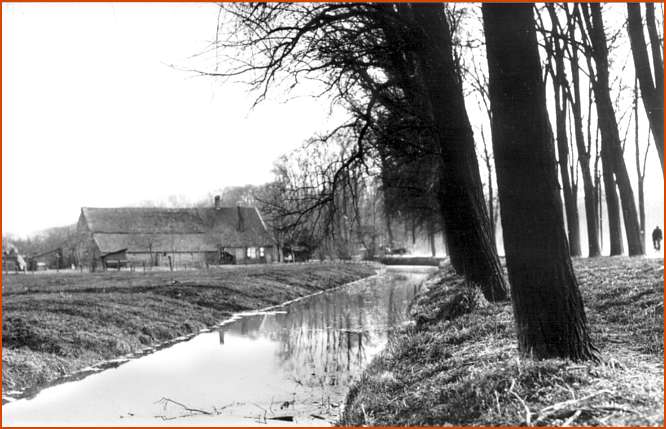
[[174, 230]]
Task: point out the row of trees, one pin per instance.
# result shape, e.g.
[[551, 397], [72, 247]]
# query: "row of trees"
[[400, 70]]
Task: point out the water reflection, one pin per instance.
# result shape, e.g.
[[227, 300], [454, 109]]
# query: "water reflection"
[[295, 361], [327, 340]]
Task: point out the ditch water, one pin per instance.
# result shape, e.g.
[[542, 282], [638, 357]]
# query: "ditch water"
[[288, 365]]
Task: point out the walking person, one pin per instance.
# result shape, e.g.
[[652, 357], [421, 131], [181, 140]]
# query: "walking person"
[[656, 238]]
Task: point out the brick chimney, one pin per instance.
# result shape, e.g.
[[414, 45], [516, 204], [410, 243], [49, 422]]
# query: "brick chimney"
[[217, 202]]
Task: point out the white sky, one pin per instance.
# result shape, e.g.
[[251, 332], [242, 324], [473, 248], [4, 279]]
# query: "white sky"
[[94, 116]]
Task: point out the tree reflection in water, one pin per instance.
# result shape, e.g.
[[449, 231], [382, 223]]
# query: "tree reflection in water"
[[326, 340]]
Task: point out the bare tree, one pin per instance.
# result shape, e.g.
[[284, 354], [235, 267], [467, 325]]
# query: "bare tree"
[[548, 308], [479, 83], [652, 90], [573, 94], [640, 164], [555, 52], [461, 198], [611, 150], [373, 55]]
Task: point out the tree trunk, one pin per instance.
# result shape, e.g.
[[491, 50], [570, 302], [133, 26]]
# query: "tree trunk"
[[639, 171], [591, 213], [433, 249], [612, 206], [656, 46], [492, 219], [389, 230], [387, 205], [548, 308], [569, 190], [641, 207], [445, 245], [652, 92], [610, 136], [460, 192], [570, 202], [600, 208]]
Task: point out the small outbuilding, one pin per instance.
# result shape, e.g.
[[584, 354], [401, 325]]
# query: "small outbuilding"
[[12, 260]]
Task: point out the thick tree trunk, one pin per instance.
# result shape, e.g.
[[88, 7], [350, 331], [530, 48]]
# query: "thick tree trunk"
[[461, 194], [610, 136], [548, 308], [653, 94]]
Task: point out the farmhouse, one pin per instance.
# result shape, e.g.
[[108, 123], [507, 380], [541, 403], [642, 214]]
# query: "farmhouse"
[[173, 236]]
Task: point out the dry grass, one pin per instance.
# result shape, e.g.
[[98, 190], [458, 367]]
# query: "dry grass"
[[466, 371], [54, 324]]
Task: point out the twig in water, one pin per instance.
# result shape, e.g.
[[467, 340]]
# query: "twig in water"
[[261, 408], [223, 407], [166, 401]]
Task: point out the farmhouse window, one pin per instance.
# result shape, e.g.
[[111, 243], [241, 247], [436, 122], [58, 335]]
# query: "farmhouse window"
[[261, 252], [251, 252]]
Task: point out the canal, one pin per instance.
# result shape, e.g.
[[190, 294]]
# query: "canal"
[[287, 365]]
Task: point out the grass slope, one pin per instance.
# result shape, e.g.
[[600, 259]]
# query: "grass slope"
[[466, 370], [54, 324]]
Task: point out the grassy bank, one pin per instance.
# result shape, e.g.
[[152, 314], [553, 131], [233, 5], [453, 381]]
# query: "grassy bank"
[[410, 260], [466, 370], [56, 323]]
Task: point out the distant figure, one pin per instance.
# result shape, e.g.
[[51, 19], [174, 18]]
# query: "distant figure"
[[656, 238]]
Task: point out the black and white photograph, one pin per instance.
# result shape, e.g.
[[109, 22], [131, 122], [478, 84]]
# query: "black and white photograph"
[[332, 214]]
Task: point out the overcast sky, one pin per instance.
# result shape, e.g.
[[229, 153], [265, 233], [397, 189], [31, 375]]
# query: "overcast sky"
[[93, 114]]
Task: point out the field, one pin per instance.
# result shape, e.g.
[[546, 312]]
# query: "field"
[[466, 370], [56, 323]]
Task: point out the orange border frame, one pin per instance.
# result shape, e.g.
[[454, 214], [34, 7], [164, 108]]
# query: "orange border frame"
[[239, 1]]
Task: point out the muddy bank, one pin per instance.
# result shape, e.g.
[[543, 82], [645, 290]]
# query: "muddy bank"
[[58, 323], [458, 365]]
